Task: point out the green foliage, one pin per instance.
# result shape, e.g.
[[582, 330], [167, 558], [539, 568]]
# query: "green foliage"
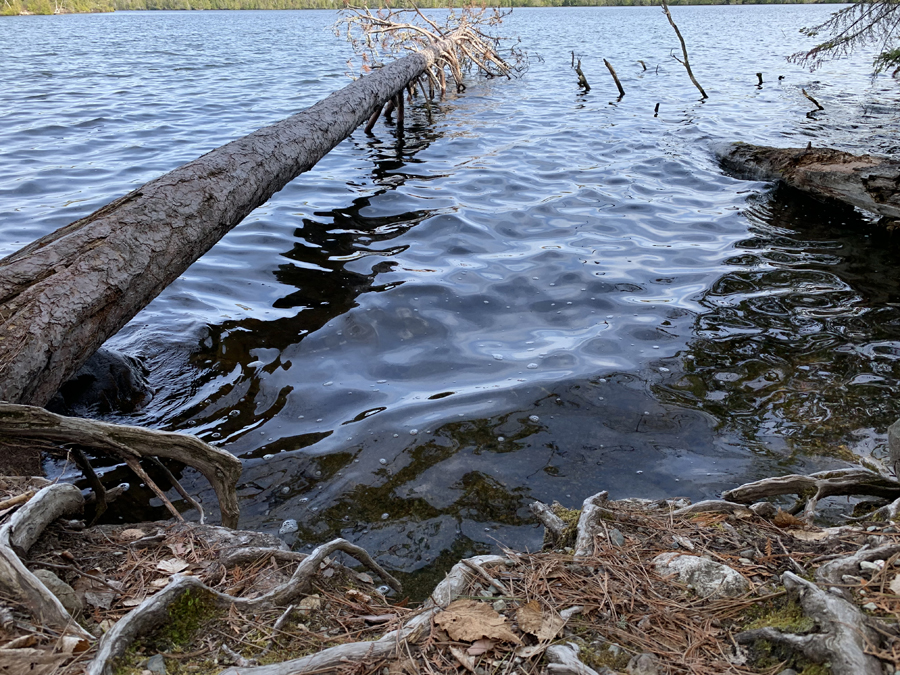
[[866, 22]]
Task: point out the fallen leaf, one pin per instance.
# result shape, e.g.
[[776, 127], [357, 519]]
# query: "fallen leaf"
[[469, 620], [101, 599], [528, 652], [479, 647], [69, 644], [134, 602], [171, 566], [804, 535], [378, 618], [359, 596], [31, 661], [543, 624], [529, 618], [465, 661], [160, 583], [328, 573], [683, 542], [21, 642], [895, 585], [132, 534], [783, 519], [365, 578]]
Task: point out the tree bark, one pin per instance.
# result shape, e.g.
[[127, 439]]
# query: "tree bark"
[[65, 294], [870, 183]]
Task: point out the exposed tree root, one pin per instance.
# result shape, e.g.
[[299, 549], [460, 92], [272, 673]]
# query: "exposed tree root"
[[714, 506], [843, 636], [815, 487], [554, 525], [17, 536], [154, 612], [592, 513], [131, 444]]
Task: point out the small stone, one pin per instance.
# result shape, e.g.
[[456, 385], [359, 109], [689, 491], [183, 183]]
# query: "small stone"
[[748, 553], [870, 606], [873, 566], [871, 528], [764, 509], [642, 664], [65, 593], [745, 561], [288, 526], [499, 605], [614, 649], [309, 604], [788, 671], [157, 664], [146, 672], [616, 537]]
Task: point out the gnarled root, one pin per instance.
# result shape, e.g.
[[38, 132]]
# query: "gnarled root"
[[555, 527], [843, 635], [154, 611], [130, 444], [17, 536], [346, 655], [817, 486], [592, 513]]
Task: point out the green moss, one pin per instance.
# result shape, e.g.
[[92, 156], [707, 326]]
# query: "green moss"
[[570, 518], [782, 614], [599, 655], [186, 616]]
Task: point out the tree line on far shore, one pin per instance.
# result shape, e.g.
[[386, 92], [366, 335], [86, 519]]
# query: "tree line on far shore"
[[17, 7]]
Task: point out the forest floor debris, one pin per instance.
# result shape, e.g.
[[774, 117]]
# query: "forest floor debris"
[[609, 610]]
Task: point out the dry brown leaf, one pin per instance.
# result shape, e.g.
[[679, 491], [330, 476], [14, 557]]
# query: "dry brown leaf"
[[529, 617], [31, 661], [132, 534], [544, 625], [783, 519], [465, 661], [479, 647], [470, 620], [803, 535], [532, 650], [172, 566]]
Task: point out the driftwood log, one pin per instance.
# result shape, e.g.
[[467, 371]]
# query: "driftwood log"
[[65, 294], [870, 183]]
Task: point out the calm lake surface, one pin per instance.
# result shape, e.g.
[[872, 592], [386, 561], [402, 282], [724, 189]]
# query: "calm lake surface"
[[536, 293]]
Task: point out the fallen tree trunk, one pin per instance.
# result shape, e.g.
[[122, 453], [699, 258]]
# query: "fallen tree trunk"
[[65, 294], [870, 183]]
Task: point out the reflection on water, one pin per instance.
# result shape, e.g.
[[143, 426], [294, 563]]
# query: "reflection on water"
[[799, 343], [535, 293]]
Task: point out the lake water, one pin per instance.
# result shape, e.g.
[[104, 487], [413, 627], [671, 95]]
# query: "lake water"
[[536, 293]]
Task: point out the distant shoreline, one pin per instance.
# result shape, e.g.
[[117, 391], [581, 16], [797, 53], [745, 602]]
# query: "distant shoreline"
[[44, 7]]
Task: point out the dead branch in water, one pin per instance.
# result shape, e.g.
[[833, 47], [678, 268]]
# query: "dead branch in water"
[[388, 33], [615, 77], [686, 63]]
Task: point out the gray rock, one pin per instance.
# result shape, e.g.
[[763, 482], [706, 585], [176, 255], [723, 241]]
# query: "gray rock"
[[157, 664], [642, 664], [707, 578], [288, 526], [500, 605], [894, 447], [616, 537], [788, 671], [764, 509], [61, 590]]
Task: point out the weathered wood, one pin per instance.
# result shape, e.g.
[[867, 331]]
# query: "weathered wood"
[[17, 536], [870, 183], [65, 294], [221, 468], [154, 611], [843, 637], [817, 486]]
